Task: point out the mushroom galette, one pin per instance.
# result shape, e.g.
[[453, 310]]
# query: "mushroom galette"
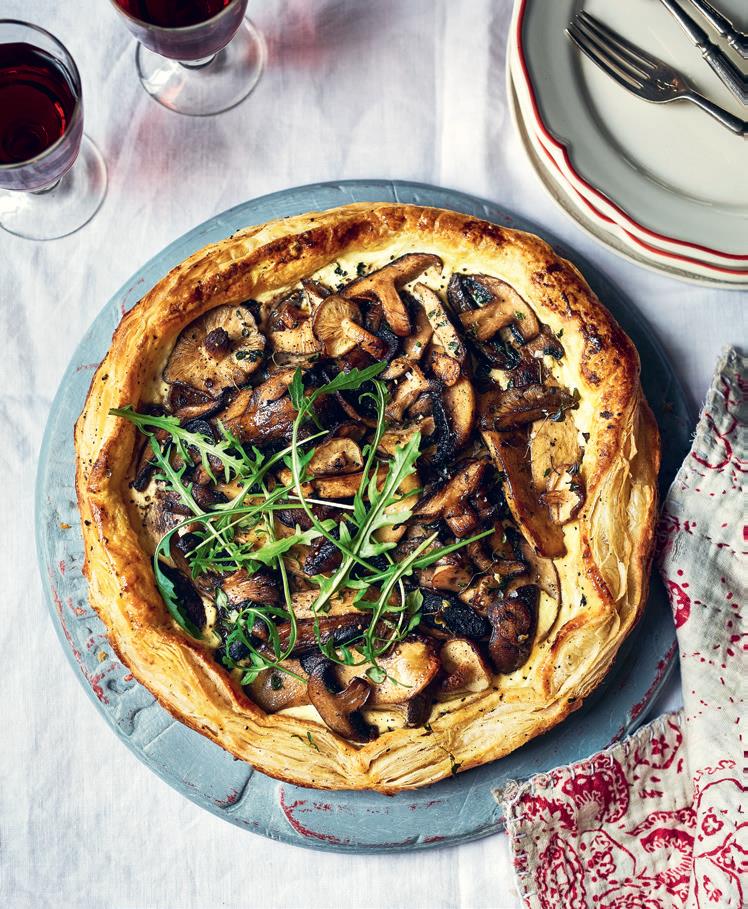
[[368, 495]]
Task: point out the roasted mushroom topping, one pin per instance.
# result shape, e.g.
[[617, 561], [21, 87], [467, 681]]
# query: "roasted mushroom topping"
[[513, 623], [450, 500], [323, 556], [336, 456], [338, 629], [476, 292], [443, 330], [451, 572], [337, 326], [468, 294], [220, 349], [506, 409], [164, 512], [275, 690], [411, 666], [409, 389], [188, 403], [464, 667], [445, 614], [189, 600], [383, 285], [510, 451], [443, 367], [299, 340], [459, 403], [241, 587], [543, 572], [340, 707], [262, 414]]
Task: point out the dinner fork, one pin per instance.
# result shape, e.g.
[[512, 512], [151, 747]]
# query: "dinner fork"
[[639, 72]]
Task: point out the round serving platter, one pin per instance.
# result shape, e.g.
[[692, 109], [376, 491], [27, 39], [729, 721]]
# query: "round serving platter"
[[453, 811]]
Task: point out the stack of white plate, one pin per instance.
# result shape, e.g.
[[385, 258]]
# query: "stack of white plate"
[[663, 185]]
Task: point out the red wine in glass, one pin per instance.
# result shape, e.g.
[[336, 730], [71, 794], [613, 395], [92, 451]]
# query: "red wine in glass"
[[52, 176], [38, 101], [185, 30], [173, 13]]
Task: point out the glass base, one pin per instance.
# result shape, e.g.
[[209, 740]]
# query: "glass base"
[[200, 89], [65, 206]]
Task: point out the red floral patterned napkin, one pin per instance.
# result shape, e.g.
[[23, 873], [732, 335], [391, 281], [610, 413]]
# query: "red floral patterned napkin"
[[660, 820]]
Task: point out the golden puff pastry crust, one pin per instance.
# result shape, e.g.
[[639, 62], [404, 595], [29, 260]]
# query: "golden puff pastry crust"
[[603, 574]]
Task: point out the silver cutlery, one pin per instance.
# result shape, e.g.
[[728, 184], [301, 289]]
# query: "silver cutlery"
[[729, 74], [639, 72], [724, 28]]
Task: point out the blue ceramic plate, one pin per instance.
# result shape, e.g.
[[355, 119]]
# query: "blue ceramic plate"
[[453, 811]]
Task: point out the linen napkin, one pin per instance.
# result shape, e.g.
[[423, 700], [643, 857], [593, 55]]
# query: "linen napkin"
[[660, 819]]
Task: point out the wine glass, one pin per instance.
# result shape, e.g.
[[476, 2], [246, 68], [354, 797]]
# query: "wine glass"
[[52, 176], [196, 57]]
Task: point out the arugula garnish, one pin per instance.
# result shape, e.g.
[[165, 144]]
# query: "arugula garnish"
[[240, 533]]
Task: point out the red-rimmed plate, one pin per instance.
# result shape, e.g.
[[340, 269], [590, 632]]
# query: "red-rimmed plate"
[[669, 183]]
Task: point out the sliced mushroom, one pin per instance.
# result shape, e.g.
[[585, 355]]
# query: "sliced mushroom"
[[460, 405], [510, 451], [188, 403], [443, 367], [416, 342], [450, 500], [298, 340], [482, 324], [411, 666], [287, 312], [512, 407], [466, 294], [396, 369], [464, 667], [275, 690], [241, 587], [189, 600], [408, 390], [220, 349], [262, 414], [336, 456], [513, 621], [546, 344], [471, 292], [336, 629], [207, 497], [323, 557], [315, 291], [163, 513], [336, 323], [303, 601], [342, 487], [446, 615], [383, 285], [450, 573], [340, 708], [543, 572], [396, 438], [444, 331], [417, 710]]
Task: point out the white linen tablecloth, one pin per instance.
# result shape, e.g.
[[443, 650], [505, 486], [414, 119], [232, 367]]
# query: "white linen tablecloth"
[[409, 89]]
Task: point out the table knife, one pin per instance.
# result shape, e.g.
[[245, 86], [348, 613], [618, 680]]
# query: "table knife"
[[728, 73]]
